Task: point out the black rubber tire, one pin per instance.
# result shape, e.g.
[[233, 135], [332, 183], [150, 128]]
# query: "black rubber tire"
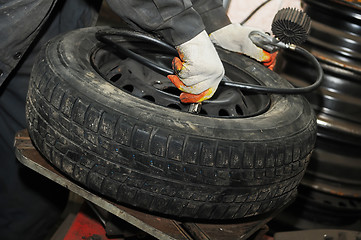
[[160, 159]]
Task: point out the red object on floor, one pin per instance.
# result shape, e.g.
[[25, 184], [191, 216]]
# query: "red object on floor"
[[86, 227]]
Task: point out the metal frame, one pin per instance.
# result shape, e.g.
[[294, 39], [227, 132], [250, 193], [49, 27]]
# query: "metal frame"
[[159, 227]]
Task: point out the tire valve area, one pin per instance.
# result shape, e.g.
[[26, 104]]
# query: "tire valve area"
[[142, 82]]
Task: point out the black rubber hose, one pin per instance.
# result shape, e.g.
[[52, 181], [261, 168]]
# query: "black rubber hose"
[[102, 36], [301, 90]]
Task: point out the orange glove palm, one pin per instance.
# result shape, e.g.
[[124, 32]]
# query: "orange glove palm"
[[186, 97], [269, 60], [198, 71]]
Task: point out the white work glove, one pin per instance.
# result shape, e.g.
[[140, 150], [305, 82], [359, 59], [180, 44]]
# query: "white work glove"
[[235, 37], [198, 70]]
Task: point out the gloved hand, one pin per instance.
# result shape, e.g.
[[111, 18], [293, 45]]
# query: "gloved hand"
[[234, 37], [198, 71]]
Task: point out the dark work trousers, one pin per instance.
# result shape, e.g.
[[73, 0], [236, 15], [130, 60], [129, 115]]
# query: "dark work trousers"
[[30, 204]]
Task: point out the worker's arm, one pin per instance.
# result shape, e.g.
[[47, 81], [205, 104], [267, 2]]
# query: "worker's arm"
[[232, 37], [198, 69], [174, 20], [213, 14]]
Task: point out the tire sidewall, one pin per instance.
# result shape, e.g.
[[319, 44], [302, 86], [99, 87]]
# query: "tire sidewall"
[[287, 114]]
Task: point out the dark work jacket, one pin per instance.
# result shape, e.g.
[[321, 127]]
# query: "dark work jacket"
[[177, 21], [21, 22]]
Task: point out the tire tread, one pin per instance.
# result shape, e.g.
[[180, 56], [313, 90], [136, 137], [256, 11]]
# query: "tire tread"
[[135, 163]]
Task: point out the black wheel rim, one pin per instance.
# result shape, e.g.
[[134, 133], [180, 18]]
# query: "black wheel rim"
[[142, 82]]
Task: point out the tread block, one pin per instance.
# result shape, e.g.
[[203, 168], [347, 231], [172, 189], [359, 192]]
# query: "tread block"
[[67, 104], [202, 197], [50, 86], [68, 166], [91, 137], [279, 158], [248, 157], [51, 136], [57, 96], [177, 206], [296, 151], [158, 144], [48, 149], [253, 210], [135, 182], [100, 169], [140, 140], [260, 158], [169, 191], [222, 157], [74, 156], [231, 210], [175, 147], [236, 157], [44, 110], [241, 198], [205, 210], [248, 174], [159, 203], [79, 110], [123, 132], [224, 175], [119, 176], [229, 198], [110, 187], [44, 82], [220, 210], [93, 119], [270, 158], [191, 151], [86, 162], [242, 210], [39, 72], [259, 174], [207, 154], [61, 145], [126, 194], [288, 154], [95, 180], [190, 209], [107, 125], [80, 173]]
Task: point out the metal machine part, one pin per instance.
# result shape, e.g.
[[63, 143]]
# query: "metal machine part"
[[335, 40], [291, 26], [332, 178], [109, 37], [138, 80], [282, 20]]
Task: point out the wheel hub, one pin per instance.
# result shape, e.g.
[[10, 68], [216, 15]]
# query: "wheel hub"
[[140, 81]]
